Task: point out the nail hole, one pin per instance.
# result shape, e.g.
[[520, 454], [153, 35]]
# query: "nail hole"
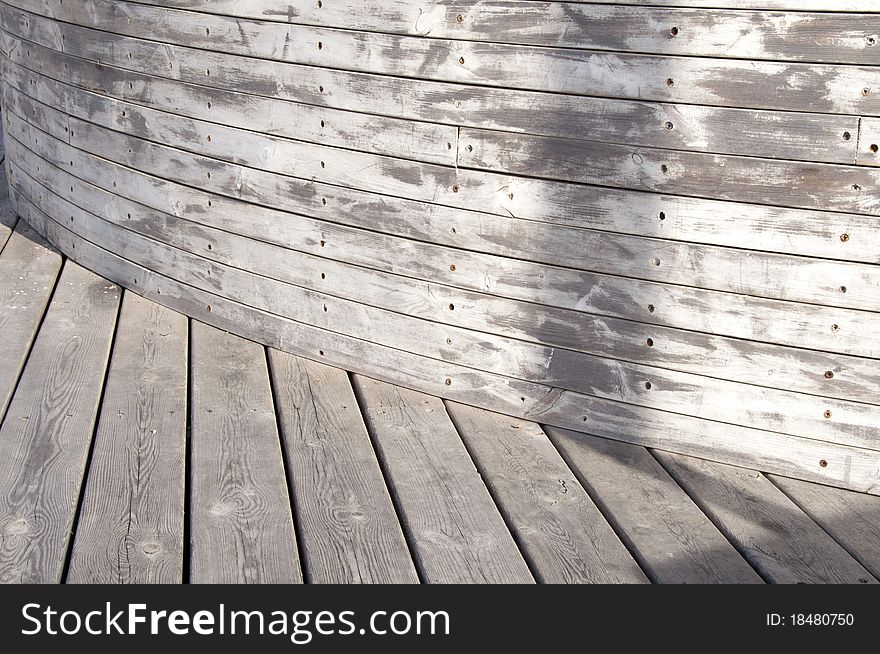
[[823, 463], [650, 342], [827, 414], [847, 136], [842, 289], [320, 45], [844, 237], [648, 385], [455, 189], [874, 148], [662, 215], [674, 31], [321, 352], [448, 382], [866, 92], [670, 81], [835, 327], [829, 374], [452, 267], [655, 262], [461, 60], [650, 308], [323, 276], [459, 18], [870, 40], [324, 201], [452, 307], [664, 168], [669, 124], [856, 187]]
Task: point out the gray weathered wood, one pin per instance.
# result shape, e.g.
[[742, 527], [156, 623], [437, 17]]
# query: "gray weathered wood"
[[852, 519], [786, 135], [28, 269], [130, 527], [791, 456], [48, 428], [565, 537], [241, 524], [8, 219], [854, 423], [770, 530], [589, 24], [349, 529], [456, 531], [729, 82], [667, 533]]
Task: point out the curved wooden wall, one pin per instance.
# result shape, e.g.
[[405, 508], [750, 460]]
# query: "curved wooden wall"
[[655, 224]]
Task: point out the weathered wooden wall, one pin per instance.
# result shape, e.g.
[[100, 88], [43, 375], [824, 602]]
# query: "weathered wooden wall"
[[656, 224]]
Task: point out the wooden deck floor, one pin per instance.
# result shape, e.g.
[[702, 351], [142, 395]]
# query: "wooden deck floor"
[[140, 446]]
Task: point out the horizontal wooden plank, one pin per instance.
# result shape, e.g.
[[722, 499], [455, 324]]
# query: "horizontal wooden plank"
[[806, 280], [707, 355], [349, 529], [379, 71], [765, 228], [775, 134], [667, 533], [776, 536], [456, 531], [280, 10], [851, 518], [669, 30], [790, 456], [564, 535], [48, 428], [28, 269], [130, 527], [748, 179], [854, 423], [241, 522]]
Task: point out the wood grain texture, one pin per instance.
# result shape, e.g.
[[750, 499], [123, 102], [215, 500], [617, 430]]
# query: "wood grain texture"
[[29, 267], [855, 423], [667, 533], [241, 523], [48, 428], [662, 234], [456, 530], [353, 62], [781, 541], [791, 456], [130, 527], [565, 537], [850, 518], [349, 529], [701, 128]]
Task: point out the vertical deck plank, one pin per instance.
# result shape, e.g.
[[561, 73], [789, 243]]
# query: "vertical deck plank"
[[668, 534], [8, 218], [130, 527], [456, 530], [563, 533], [241, 523], [48, 429], [349, 529], [852, 519], [774, 535], [28, 269]]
